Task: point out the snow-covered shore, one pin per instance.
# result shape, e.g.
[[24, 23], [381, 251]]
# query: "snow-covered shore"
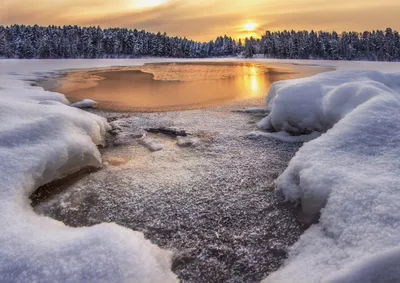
[[41, 139], [352, 169], [349, 175]]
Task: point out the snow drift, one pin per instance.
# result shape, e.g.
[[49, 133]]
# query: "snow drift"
[[41, 139], [350, 175]]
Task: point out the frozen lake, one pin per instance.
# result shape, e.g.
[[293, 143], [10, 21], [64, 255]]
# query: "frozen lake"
[[212, 201], [207, 194]]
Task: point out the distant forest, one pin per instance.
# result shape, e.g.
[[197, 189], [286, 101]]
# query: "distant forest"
[[19, 41]]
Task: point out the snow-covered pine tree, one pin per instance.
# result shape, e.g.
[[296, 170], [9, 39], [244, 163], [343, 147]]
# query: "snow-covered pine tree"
[[3, 42], [249, 49], [19, 41]]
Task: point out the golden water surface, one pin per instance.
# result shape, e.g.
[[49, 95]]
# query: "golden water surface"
[[175, 86]]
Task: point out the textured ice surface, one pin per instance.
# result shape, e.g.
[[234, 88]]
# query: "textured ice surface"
[[212, 204], [252, 111], [350, 175], [284, 136], [42, 139]]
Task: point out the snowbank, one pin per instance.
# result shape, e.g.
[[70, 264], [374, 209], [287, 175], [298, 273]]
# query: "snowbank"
[[350, 175], [41, 139], [317, 103]]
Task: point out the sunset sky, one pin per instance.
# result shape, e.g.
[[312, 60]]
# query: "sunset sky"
[[206, 19]]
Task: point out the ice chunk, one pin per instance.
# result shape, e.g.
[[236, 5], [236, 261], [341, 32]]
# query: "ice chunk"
[[187, 142], [128, 138], [151, 144], [86, 103]]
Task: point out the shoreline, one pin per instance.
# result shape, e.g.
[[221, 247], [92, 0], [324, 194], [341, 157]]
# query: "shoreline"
[[42, 230]]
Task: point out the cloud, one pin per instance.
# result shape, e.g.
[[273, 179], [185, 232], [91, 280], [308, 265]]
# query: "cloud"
[[358, 19]]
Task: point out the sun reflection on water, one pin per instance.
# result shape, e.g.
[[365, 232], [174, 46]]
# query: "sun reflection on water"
[[252, 81], [165, 87], [254, 84]]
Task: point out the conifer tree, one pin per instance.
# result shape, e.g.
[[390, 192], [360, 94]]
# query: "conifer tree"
[[20, 41]]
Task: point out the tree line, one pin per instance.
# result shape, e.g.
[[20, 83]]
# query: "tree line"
[[20, 41]]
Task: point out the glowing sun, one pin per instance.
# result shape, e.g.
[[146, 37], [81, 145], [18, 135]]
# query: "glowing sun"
[[142, 4], [250, 26]]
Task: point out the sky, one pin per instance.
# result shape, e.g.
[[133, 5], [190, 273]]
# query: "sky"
[[204, 20]]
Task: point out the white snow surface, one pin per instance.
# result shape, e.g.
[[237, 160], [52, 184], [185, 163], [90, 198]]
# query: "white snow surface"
[[350, 175], [317, 103], [42, 139]]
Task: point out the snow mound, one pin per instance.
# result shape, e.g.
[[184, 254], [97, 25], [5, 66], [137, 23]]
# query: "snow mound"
[[41, 139], [86, 103], [317, 103], [350, 175]]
